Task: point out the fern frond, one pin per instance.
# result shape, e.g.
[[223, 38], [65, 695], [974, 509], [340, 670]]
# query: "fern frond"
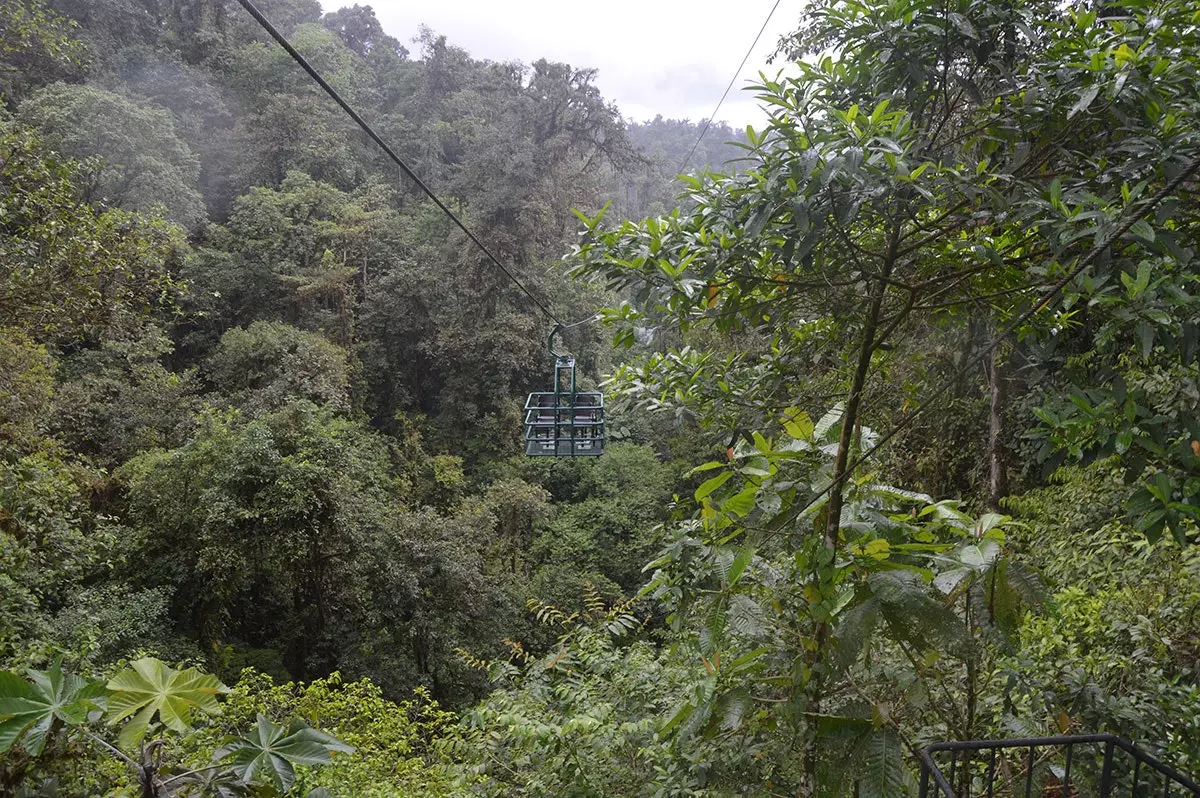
[[471, 660], [828, 421], [745, 618], [898, 495], [593, 601], [625, 606], [548, 614]]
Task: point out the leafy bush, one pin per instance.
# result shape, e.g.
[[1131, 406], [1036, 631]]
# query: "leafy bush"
[[581, 721], [396, 745], [1122, 651]]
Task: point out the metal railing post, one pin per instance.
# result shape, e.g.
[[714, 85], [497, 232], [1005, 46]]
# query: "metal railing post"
[[1066, 790], [1029, 773], [1106, 773]]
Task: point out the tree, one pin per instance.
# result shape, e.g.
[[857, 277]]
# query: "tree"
[[288, 14], [37, 47], [304, 252], [433, 594], [651, 189], [118, 398], [286, 532], [257, 522], [269, 365], [823, 670], [72, 275], [107, 24], [289, 124], [53, 543], [397, 743], [26, 383], [360, 30], [935, 162], [143, 164], [579, 720], [69, 269], [881, 190], [203, 111], [604, 522]]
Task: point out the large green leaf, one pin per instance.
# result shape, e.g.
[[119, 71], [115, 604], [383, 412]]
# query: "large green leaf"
[[854, 629], [979, 556], [708, 486], [840, 741], [898, 495], [829, 422], [149, 686], [912, 615], [967, 562], [29, 708], [949, 581], [269, 753], [884, 774], [797, 423]]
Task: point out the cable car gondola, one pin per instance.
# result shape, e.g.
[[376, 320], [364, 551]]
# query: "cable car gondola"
[[564, 422]]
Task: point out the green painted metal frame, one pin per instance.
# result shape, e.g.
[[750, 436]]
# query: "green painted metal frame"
[[547, 432], [973, 765]]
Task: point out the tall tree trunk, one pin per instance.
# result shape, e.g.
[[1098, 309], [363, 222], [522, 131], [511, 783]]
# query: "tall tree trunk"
[[998, 476], [833, 508], [833, 517]]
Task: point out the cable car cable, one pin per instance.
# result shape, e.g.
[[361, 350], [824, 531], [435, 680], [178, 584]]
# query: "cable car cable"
[[332, 92], [558, 423], [591, 318], [683, 164]]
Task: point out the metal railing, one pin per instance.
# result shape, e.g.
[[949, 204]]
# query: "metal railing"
[[1070, 766]]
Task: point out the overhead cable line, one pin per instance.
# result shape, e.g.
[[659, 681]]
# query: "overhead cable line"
[[332, 92], [683, 164], [1086, 260]]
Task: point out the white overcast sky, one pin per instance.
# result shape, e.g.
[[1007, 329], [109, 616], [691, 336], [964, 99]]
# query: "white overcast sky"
[[669, 57]]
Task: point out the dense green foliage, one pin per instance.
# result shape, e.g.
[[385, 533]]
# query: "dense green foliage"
[[146, 696], [260, 407]]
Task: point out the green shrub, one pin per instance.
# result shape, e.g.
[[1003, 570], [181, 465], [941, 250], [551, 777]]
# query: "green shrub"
[[397, 751], [1121, 652]]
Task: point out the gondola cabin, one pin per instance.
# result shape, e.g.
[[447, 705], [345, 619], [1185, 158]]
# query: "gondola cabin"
[[564, 422]]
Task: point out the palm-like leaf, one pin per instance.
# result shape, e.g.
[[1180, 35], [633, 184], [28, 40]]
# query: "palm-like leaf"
[[897, 495], [149, 686], [841, 741], [29, 708], [270, 752], [1027, 583]]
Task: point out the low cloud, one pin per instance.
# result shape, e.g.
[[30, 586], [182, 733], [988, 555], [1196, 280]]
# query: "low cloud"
[[669, 58]]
